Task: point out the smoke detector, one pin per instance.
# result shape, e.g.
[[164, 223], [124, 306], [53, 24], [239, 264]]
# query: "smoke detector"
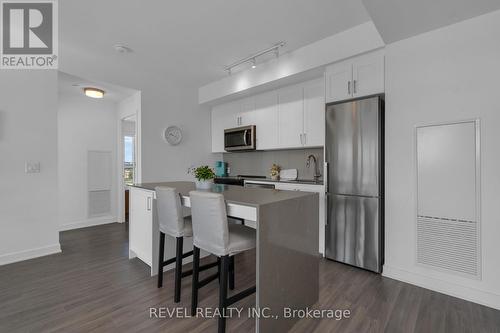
[[120, 48]]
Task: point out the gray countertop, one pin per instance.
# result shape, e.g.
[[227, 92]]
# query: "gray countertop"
[[233, 193]]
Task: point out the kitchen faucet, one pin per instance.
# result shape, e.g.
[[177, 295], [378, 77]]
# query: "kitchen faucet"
[[317, 174]]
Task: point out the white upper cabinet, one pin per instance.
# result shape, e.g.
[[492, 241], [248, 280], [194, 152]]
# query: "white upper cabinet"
[[245, 116], [223, 116], [338, 79], [314, 113], [368, 74], [266, 120], [290, 116], [356, 77]]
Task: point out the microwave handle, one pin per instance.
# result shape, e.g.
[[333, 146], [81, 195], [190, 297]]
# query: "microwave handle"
[[245, 137]]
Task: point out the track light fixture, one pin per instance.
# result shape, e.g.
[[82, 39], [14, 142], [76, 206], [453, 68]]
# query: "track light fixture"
[[252, 59]]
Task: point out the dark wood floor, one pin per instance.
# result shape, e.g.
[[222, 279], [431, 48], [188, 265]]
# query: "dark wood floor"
[[93, 287]]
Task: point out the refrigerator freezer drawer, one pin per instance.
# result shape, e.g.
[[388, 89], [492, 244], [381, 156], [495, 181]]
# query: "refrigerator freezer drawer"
[[353, 232]]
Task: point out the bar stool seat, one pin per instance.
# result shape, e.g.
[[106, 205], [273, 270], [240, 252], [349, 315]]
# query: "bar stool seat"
[[187, 230], [241, 238]]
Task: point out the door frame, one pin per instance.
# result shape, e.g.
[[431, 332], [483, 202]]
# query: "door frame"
[[134, 112]]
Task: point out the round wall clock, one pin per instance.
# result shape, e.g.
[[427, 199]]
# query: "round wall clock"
[[173, 135]]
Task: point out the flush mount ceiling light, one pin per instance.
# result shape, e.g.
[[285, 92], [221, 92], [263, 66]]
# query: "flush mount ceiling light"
[[93, 92], [252, 59]]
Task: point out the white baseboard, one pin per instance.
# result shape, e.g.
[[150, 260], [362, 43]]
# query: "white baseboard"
[[29, 254], [482, 297], [88, 223]]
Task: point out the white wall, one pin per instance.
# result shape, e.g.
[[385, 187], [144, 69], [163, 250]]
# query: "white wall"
[[164, 105], [83, 124], [28, 132], [445, 75]]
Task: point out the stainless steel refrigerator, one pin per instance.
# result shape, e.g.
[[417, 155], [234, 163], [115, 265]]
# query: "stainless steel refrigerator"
[[354, 157]]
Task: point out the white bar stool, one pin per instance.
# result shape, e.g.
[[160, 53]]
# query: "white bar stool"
[[172, 222], [212, 233]]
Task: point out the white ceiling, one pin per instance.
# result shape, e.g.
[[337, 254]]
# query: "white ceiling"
[[188, 42], [400, 19], [71, 85], [193, 40]]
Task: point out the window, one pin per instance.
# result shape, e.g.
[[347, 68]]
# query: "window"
[[128, 160]]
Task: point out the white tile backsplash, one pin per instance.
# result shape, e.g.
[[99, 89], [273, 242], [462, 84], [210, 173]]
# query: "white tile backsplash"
[[259, 162]]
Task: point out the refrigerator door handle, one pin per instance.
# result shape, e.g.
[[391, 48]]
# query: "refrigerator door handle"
[[327, 209], [327, 177]]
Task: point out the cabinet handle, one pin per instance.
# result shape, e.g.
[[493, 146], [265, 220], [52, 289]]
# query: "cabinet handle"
[[149, 204], [305, 138], [348, 87], [301, 140], [354, 86]]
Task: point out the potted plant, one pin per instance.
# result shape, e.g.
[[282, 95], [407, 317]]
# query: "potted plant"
[[275, 172], [204, 177]]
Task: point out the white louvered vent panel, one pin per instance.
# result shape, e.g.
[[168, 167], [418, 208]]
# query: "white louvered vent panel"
[[448, 244], [99, 203]]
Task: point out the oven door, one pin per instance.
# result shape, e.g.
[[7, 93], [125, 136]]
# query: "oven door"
[[240, 138]]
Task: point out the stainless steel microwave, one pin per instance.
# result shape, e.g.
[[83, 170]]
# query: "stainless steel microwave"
[[239, 138]]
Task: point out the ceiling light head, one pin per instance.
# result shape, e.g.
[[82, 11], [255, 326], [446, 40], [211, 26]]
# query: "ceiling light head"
[[120, 48], [254, 64], [93, 92]]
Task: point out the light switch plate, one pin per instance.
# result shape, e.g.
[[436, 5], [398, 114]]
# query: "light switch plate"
[[32, 167]]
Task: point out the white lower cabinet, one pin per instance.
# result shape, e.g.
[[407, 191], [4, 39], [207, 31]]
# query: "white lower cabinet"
[[140, 224]]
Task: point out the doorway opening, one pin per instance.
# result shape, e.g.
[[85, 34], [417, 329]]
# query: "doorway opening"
[[129, 171]]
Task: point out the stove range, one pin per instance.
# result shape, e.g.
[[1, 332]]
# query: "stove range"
[[238, 180]]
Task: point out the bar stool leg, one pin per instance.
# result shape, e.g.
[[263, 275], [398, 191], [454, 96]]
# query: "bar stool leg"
[[160, 259], [223, 293], [231, 272], [178, 269], [218, 269], [196, 272]]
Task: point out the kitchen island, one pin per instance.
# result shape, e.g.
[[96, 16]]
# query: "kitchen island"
[[287, 260]]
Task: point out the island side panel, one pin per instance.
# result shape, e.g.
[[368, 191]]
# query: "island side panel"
[[287, 259]]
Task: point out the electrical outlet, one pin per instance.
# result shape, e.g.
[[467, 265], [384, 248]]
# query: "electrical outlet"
[[32, 167]]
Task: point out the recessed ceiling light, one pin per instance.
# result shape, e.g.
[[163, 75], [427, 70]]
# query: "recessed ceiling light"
[[93, 92]]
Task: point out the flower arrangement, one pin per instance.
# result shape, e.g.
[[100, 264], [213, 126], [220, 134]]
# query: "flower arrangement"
[[274, 172]]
